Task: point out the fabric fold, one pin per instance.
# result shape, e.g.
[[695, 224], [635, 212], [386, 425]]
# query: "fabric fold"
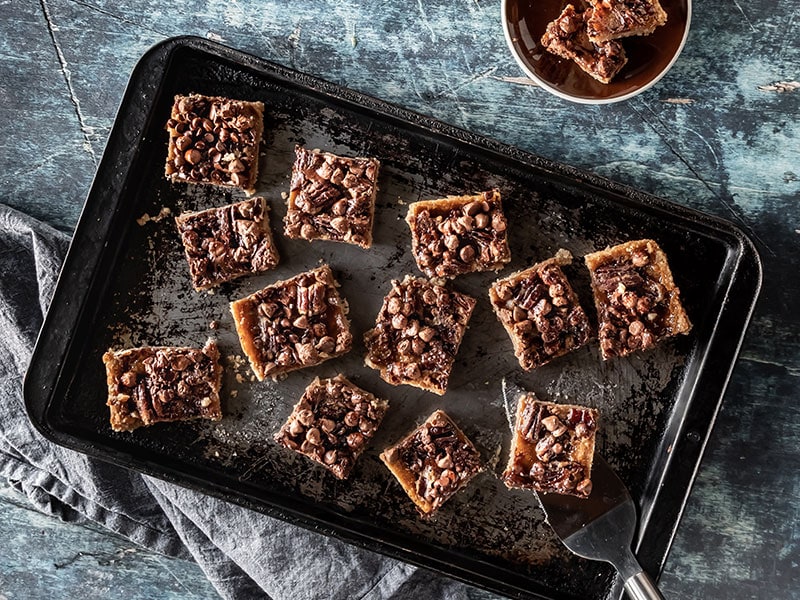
[[243, 553]]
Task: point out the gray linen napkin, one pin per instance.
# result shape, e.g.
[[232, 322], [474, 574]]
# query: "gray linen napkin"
[[244, 554]]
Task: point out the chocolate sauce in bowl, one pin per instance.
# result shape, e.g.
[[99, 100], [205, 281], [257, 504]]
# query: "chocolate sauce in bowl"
[[648, 56]]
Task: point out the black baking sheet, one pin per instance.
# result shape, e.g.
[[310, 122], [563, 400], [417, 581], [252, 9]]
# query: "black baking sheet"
[[125, 283]]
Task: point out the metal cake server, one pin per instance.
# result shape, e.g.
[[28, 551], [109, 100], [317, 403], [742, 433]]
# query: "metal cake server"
[[600, 527]]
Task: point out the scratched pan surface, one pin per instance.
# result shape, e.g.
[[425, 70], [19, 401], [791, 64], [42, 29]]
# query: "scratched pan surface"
[[126, 284]]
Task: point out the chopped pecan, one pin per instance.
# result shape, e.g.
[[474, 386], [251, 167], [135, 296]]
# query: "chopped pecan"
[[332, 423], [459, 234], [433, 462], [292, 324], [417, 334], [227, 242], [541, 312], [332, 198], [156, 384], [637, 302], [553, 447]]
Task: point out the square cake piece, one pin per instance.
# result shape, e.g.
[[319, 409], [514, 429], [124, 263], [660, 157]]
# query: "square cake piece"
[[332, 198], [417, 334], [459, 234], [292, 324], [154, 384], [541, 312], [638, 304], [613, 19], [214, 140], [567, 37], [553, 448], [433, 462], [332, 423], [227, 242]]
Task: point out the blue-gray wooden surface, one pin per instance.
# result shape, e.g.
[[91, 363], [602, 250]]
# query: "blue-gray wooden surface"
[[716, 134]]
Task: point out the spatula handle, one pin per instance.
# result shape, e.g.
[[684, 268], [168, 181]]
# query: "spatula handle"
[[641, 587]]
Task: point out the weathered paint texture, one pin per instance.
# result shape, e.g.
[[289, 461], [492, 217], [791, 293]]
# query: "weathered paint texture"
[[718, 133]]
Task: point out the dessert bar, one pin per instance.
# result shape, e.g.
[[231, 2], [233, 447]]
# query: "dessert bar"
[[459, 234], [552, 449], [613, 19], [637, 301], [292, 324], [567, 37], [332, 198], [332, 423], [214, 140], [541, 312], [155, 384], [417, 334], [227, 242], [433, 462]]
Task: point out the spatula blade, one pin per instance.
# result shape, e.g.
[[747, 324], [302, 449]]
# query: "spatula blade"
[[599, 526]]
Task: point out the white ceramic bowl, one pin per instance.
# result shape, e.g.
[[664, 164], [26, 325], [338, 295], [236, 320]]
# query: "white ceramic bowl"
[[649, 57]]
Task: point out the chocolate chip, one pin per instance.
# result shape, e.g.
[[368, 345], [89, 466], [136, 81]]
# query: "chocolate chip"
[[355, 439], [472, 209], [296, 427], [313, 436], [399, 321], [467, 253], [193, 156], [305, 417], [183, 143], [351, 419]]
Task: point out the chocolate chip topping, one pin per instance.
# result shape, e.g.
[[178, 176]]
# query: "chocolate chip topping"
[[333, 423], [567, 37], [293, 324], [553, 448], [417, 333], [227, 242], [332, 197], [459, 235], [635, 308], [613, 19], [438, 460], [214, 140], [541, 312], [155, 384]]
